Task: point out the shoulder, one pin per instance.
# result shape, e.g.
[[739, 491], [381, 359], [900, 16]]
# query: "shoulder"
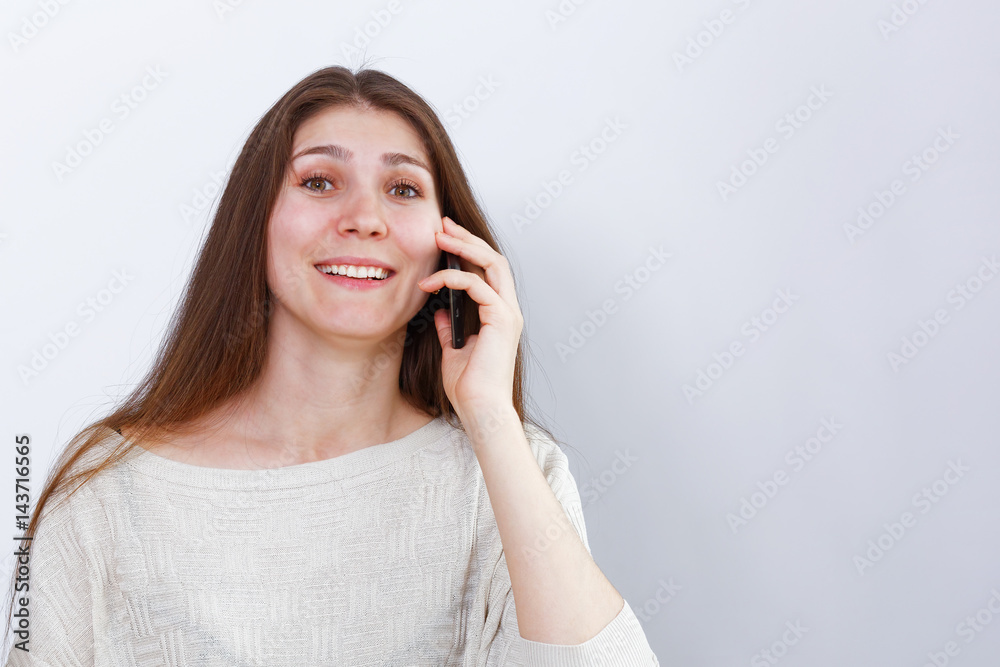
[[72, 523], [76, 492], [87, 491]]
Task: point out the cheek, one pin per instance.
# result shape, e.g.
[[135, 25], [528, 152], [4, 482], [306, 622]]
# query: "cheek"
[[421, 247], [286, 216], [293, 227], [287, 239]]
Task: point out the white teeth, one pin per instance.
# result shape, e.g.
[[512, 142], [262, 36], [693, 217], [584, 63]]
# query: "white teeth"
[[351, 271]]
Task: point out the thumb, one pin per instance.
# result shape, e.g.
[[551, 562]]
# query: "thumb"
[[442, 321]]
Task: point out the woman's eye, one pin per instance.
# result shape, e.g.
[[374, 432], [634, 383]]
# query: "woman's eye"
[[318, 183], [404, 186], [309, 182]]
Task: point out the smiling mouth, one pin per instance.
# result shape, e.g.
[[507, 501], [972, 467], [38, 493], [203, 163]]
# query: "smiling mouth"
[[360, 273]]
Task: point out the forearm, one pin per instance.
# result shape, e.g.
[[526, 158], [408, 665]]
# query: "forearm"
[[560, 594]]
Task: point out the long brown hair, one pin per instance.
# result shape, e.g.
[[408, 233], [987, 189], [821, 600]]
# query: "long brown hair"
[[215, 346]]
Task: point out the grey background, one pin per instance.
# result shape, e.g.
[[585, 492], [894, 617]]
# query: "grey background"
[[658, 519]]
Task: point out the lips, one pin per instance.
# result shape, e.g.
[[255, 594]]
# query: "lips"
[[360, 274], [356, 261], [357, 284]]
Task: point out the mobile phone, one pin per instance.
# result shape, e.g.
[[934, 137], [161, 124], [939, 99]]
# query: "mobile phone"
[[455, 298]]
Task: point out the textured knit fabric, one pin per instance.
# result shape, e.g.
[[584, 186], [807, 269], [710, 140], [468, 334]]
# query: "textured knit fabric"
[[389, 555]]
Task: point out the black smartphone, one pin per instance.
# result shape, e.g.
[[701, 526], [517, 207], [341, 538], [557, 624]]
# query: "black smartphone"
[[454, 298]]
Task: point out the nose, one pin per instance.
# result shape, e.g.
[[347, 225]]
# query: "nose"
[[362, 213]]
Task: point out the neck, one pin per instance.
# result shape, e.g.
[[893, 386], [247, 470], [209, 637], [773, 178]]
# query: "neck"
[[315, 400]]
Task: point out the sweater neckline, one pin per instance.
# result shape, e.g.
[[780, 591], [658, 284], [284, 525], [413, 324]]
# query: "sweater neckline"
[[353, 464]]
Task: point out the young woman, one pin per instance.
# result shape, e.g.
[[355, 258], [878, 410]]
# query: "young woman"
[[311, 474]]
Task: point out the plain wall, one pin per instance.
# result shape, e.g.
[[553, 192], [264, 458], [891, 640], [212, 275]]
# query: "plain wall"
[[804, 196]]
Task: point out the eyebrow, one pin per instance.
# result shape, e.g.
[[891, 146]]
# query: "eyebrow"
[[346, 155]]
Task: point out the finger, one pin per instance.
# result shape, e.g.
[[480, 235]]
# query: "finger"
[[452, 229], [473, 285], [457, 230], [496, 268]]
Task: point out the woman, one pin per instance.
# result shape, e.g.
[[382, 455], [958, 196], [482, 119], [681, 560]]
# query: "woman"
[[311, 474]]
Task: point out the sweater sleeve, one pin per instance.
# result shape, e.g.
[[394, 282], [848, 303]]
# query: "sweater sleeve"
[[60, 601], [621, 643]]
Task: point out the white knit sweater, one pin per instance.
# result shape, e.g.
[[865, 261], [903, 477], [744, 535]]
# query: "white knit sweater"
[[389, 555]]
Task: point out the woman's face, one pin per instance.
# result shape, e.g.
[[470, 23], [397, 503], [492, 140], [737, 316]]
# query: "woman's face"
[[354, 194]]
